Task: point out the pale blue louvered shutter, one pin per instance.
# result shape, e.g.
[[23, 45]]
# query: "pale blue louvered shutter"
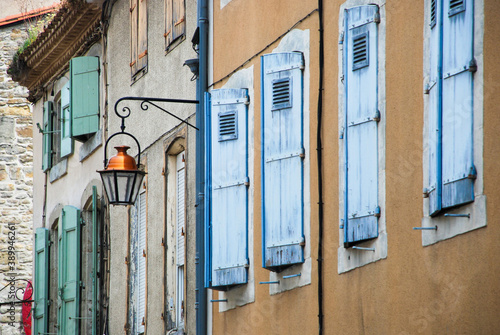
[[229, 187], [362, 116], [434, 186], [141, 263], [282, 159], [66, 140], [69, 281], [41, 287], [208, 190], [84, 97], [47, 135], [457, 119]]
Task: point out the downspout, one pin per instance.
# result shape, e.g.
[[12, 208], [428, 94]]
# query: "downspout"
[[201, 88], [319, 153]]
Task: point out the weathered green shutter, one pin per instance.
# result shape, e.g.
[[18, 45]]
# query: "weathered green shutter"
[[47, 135], [95, 261], [66, 140], [69, 271], [84, 101], [41, 287]]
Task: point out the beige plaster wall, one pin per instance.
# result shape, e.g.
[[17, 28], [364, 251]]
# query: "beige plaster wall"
[[448, 287]]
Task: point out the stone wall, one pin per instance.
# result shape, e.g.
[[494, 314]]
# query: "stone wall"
[[16, 180]]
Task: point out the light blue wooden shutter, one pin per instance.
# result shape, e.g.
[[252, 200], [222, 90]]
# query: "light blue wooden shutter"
[[41, 287], [84, 101], [362, 116], [229, 191], [95, 260], [458, 67], [434, 187], [66, 140], [282, 159], [208, 190], [69, 280], [47, 135]]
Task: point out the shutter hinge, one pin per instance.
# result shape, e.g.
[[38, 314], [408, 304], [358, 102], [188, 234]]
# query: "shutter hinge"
[[426, 89], [472, 173], [473, 65], [162, 242], [82, 222], [426, 192], [82, 285], [376, 17], [143, 253], [376, 117], [341, 38], [341, 136], [341, 224], [377, 212], [247, 182], [126, 260], [302, 153]]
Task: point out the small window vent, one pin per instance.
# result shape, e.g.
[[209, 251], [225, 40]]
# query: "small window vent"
[[360, 51], [282, 89], [227, 126], [456, 6], [433, 13]]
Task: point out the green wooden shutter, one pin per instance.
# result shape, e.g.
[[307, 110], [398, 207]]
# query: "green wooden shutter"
[[66, 140], [69, 271], [282, 159], [361, 117], [47, 135], [41, 287], [84, 97], [95, 260]]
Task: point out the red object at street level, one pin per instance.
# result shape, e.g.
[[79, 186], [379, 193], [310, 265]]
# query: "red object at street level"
[[26, 309]]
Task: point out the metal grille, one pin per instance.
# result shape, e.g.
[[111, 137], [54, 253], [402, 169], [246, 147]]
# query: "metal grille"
[[360, 51], [282, 93], [227, 126]]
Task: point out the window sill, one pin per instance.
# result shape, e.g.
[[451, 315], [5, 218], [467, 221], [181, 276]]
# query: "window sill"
[[449, 227], [90, 145], [350, 259], [58, 170], [288, 284]]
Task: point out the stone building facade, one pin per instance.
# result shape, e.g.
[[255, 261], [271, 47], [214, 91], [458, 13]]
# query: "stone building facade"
[[16, 174]]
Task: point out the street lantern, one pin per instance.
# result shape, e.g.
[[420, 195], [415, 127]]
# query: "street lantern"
[[121, 178]]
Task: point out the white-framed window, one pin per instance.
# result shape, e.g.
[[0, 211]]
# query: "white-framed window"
[[454, 202], [362, 237]]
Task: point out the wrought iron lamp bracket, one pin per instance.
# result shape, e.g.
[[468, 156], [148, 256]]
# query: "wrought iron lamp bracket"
[[145, 102]]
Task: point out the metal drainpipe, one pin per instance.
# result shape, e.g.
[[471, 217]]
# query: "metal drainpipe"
[[201, 88]]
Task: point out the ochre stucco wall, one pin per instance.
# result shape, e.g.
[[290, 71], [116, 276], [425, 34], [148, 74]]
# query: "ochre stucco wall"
[[448, 287]]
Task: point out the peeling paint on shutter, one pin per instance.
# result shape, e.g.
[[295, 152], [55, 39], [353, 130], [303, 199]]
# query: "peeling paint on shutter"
[[142, 35], [458, 167], [361, 138], [47, 135], [228, 191], [133, 36], [66, 140], [84, 93], [141, 254], [69, 283], [282, 163], [41, 285]]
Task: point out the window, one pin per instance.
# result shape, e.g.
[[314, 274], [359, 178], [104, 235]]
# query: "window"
[[227, 169], [175, 22], [137, 270], [362, 136], [282, 160], [139, 38], [453, 131], [450, 110], [361, 199]]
